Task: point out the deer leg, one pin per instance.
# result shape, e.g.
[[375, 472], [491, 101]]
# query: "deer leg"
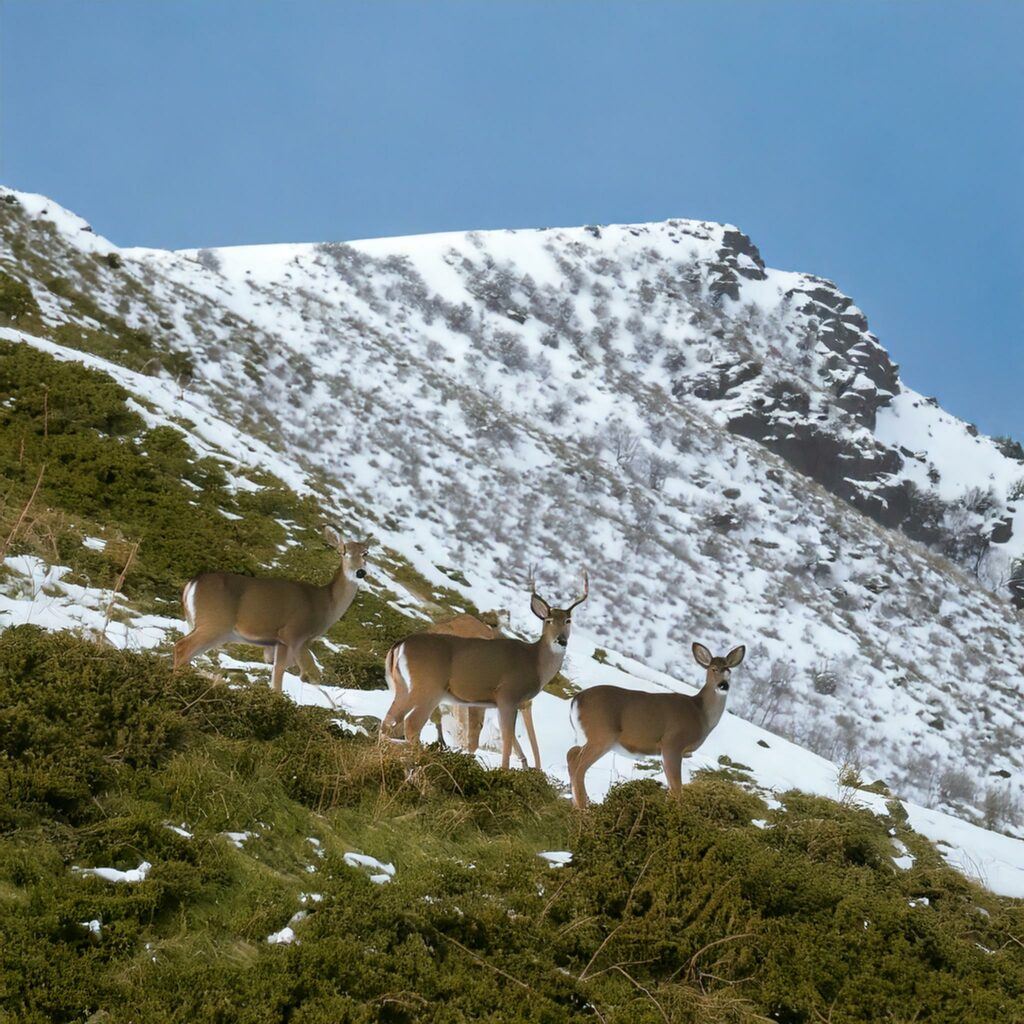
[[517, 749], [436, 719], [191, 646], [397, 712], [474, 724], [417, 718], [284, 656], [672, 762], [527, 710], [507, 714], [579, 759], [309, 670]]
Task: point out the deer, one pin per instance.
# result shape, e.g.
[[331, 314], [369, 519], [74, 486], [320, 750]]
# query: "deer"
[[282, 616], [637, 722], [469, 717], [502, 673]]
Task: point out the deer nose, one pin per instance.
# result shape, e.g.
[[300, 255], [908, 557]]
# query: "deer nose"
[[360, 573], [561, 639]]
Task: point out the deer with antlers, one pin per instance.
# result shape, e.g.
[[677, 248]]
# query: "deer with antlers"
[[284, 616], [638, 723], [470, 718], [502, 672]]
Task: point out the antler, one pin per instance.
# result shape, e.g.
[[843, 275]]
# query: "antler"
[[530, 580], [586, 591]]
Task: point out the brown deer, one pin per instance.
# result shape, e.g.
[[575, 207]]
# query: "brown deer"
[[501, 673], [635, 722], [283, 615], [470, 717]]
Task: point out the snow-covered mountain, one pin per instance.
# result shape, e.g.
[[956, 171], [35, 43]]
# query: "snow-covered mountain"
[[726, 448]]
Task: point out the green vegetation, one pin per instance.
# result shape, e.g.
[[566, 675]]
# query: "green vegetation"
[[106, 474], [18, 307], [672, 910]]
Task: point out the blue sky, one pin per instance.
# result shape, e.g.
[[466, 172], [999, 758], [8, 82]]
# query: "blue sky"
[[878, 144]]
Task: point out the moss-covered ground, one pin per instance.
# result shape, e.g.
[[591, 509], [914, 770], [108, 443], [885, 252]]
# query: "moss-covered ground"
[[672, 909]]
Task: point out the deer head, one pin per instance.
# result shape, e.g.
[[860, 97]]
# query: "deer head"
[[719, 669]]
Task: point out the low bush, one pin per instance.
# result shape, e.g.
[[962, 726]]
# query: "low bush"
[[673, 909]]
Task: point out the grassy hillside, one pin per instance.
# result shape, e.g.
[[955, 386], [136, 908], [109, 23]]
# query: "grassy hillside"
[[681, 910]]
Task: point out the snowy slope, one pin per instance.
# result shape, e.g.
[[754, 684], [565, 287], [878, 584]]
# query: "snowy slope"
[[589, 396]]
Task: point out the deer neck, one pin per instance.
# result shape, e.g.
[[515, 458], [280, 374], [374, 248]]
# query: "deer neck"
[[549, 659], [712, 705], [341, 592]]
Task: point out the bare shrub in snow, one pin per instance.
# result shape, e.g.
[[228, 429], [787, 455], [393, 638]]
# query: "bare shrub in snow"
[[999, 809], [558, 411], [957, 786], [825, 677], [623, 443], [640, 522], [459, 318], [657, 469], [208, 259], [837, 740], [767, 695]]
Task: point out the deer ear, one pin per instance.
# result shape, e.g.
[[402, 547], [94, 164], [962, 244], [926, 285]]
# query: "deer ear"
[[735, 656], [369, 542], [701, 655], [333, 537], [539, 607]]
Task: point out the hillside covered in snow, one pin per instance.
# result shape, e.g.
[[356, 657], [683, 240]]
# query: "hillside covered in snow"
[[726, 447], [728, 451]]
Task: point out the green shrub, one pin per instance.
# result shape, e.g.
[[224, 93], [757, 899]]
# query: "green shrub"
[[673, 908], [107, 472], [17, 303]]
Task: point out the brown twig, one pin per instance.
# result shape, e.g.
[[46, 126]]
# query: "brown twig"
[[24, 512], [691, 965], [548, 905], [646, 992], [487, 963], [117, 589], [621, 924]]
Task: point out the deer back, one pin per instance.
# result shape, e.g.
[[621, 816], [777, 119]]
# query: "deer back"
[[465, 625], [258, 609], [640, 722], [471, 669]]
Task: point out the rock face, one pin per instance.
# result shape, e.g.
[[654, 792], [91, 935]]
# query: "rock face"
[[820, 414]]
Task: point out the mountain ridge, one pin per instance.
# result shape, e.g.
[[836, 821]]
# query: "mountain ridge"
[[565, 363]]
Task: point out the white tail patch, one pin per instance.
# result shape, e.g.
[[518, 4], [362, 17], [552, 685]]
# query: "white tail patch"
[[577, 725], [397, 679], [402, 665], [188, 599]]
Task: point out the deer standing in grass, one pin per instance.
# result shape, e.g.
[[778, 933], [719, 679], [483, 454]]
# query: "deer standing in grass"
[[636, 722], [502, 673], [470, 717], [282, 615]]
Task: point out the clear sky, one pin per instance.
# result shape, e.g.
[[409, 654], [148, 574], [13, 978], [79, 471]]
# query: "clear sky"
[[878, 144]]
